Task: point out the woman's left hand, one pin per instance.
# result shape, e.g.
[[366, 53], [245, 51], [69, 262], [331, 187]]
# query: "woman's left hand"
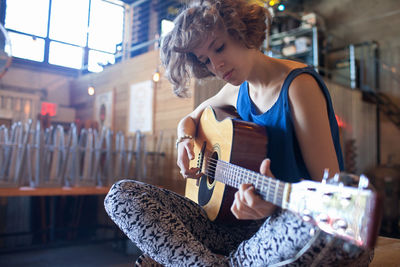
[[248, 205]]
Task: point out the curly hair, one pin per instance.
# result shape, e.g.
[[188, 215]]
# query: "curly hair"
[[243, 21]]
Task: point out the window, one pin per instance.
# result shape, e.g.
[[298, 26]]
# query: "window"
[[166, 26], [79, 34]]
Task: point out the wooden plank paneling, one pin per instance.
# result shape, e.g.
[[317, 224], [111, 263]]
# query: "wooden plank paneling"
[[359, 119], [168, 109]]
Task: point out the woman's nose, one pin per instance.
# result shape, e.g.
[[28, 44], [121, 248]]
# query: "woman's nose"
[[217, 62]]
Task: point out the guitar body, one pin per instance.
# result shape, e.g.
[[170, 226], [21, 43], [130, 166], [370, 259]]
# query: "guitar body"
[[222, 136]]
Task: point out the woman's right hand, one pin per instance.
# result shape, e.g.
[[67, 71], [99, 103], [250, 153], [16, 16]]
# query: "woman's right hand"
[[185, 155]]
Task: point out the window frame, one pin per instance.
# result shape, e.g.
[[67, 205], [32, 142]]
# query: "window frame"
[[45, 65]]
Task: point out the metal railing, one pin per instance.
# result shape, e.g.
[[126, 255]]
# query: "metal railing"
[[53, 157]]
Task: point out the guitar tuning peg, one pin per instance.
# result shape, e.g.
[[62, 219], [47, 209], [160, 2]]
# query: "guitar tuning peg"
[[325, 176], [363, 182], [336, 178]]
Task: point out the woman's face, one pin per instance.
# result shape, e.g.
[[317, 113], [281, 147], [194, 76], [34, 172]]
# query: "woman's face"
[[225, 57]]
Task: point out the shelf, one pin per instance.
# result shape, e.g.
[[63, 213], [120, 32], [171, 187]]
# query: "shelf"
[[295, 55], [294, 32], [309, 48]]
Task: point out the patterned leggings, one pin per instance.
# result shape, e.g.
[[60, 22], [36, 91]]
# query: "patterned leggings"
[[175, 231]]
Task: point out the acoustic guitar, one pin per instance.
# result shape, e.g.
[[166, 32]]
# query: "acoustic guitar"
[[229, 152]]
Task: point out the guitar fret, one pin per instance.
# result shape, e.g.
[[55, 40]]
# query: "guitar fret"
[[271, 193], [263, 188], [275, 193], [282, 188], [270, 189], [236, 173], [248, 178], [231, 176], [256, 178]]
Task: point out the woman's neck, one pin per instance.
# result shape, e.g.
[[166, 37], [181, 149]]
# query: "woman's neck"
[[266, 79], [266, 73]]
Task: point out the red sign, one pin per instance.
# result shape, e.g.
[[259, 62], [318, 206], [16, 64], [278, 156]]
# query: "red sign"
[[49, 108], [341, 123]]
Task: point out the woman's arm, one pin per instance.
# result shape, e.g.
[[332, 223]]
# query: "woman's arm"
[[188, 125], [310, 117]]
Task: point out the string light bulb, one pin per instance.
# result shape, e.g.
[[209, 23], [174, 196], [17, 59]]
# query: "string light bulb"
[[91, 90], [156, 76]]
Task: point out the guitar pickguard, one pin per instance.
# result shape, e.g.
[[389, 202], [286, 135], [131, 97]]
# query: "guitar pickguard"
[[205, 191], [207, 184]]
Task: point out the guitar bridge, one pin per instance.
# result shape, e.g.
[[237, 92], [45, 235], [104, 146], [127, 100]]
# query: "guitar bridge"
[[200, 157], [200, 160]]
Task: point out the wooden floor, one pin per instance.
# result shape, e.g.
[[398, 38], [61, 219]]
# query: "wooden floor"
[[387, 253]]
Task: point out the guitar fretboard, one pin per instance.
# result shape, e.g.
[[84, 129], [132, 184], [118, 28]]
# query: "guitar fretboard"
[[270, 189]]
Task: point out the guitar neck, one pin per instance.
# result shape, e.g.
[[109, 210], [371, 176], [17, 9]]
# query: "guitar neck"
[[270, 189]]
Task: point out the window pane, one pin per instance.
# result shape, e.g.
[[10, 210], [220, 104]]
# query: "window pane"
[[106, 26], [69, 21], [28, 16], [25, 46], [166, 26], [65, 55], [99, 59]]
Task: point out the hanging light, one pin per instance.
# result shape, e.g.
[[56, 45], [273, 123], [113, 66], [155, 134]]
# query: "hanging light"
[[156, 76], [90, 90]]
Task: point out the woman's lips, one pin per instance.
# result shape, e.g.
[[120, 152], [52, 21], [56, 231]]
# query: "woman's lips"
[[227, 75]]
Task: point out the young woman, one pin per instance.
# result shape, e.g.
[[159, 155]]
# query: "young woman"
[[222, 39]]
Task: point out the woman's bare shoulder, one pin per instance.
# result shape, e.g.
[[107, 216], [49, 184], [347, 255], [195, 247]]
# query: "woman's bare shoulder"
[[228, 94]]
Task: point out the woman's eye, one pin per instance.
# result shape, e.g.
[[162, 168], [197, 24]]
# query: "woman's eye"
[[220, 49], [206, 62]]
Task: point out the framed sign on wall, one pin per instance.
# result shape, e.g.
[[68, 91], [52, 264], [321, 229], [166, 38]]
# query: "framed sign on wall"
[[141, 101], [103, 109]]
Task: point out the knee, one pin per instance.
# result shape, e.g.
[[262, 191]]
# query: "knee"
[[118, 194]]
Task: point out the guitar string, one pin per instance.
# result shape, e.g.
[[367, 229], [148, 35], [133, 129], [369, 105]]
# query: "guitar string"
[[233, 172], [277, 189], [239, 172], [211, 169], [213, 164]]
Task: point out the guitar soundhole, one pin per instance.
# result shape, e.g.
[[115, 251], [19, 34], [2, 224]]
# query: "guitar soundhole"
[[211, 167]]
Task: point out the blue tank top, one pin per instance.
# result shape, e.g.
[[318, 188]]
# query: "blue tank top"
[[287, 163]]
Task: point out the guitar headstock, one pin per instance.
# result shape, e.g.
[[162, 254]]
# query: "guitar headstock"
[[340, 208]]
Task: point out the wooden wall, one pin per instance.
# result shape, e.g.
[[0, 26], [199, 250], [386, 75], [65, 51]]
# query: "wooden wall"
[[354, 22], [168, 109], [358, 131], [43, 84]]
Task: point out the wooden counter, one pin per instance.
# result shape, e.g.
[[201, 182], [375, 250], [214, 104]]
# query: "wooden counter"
[[53, 191], [73, 191]]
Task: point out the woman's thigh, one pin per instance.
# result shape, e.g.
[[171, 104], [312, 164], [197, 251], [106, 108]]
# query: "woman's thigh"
[[286, 240], [161, 221]]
